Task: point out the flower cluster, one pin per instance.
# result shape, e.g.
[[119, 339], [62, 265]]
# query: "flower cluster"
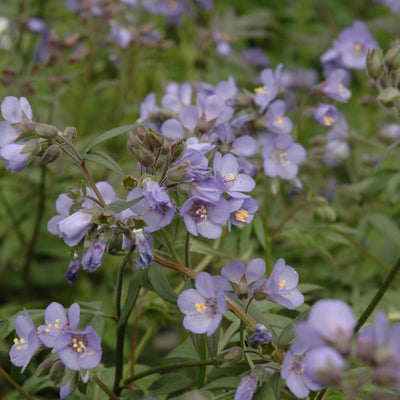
[[78, 350]]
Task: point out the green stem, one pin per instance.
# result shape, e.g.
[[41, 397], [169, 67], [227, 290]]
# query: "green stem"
[[12, 382], [120, 276], [169, 366], [187, 249], [105, 388], [378, 296], [203, 357], [35, 233]]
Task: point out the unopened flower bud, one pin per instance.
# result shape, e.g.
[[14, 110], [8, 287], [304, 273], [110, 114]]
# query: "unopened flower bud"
[[71, 132], [74, 193], [33, 146], [51, 154], [144, 156], [155, 138], [57, 371], [46, 131], [133, 142], [375, 65], [25, 127], [185, 187], [129, 183], [44, 368], [177, 149], [174, 175], [392, 57], [231, 356], [165, 148], [142, 132], [389, 97]]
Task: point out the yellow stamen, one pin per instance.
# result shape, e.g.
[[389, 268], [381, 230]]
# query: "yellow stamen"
[[200, 307], [328, 121], [172, 4], [47, 330], [261, 89], [79, 350], [15, 341], [282, 283], [279, 120], [241, 215], [57, 320], [340, 87], [22, 340], [74, 340], [75, 345], [18, 348], [50, 326], [357, 47], [231, 177]]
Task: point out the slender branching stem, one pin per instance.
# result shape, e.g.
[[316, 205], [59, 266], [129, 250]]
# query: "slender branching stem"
[[104, 387], [12, 382]]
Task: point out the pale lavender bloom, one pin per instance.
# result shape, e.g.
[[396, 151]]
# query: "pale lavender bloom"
[[204, 306], [389, 131], [148, 107], [242, 210], [205, 218], [254, 57], [242, 277], [261, 334], [276, 121], [227, 89], [325, 366], [330, 322], [176, 97], [224, 132], [281, 286], [247, 167], [63, 205], [144, 245], [15, 159], [121, 35], [195, 164], [35, 25], [334, 87], [193, 143], [75, 227], [213, 109], [223, 46], [209, 190], [247, 387], [293, 371], [66, 390], [13, 110], [28, 343], [56, 321], [326, 114], [244, 146], [392, 5], [226, 170], [351, 47], [79, 349], [156, 207], [172, 129], [91, 260], [337, 148], [270, 87], [281, 156]]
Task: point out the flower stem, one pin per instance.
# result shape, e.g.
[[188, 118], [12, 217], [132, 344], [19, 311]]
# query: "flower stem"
[[105, 388], [170, 246], [378, 296], [12, 382]]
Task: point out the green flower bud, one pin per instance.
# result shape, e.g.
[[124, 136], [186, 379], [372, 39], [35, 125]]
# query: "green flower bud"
[[33, 146], [51, 154], [231, 356], [129, 183], [57, 371], [71, 132], [389, 97], [133, 142], [392, 57], [375, 65], [177, 149], [25, 127], [46, 131], [44, 368], [144, 156], [155, 138]]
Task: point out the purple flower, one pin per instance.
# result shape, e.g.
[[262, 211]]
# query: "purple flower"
[[144, 248], [56, 321], [261, 334], [72, 270], [209, 190], [156, 207], [242, 210], [254, 57], [389, 131], [212, 111], [350, 49], [15, 159], [242, 277], [91, 260], [326, 114], [226, 169], [334, 88], [247, 387], [281, 157], [205, 218], [299, 78], [195, 164], [227, 89], [293, 371], [75, 227], [79, 349], [244, 146], [176, 97], [26, 346], [330, 322], [13, 110], [148, 107], [337, 148], [120, 35], [392, 5], [276, 121], [281, 286], [204, 306], [325, 366], [66, 389], [270, 88]]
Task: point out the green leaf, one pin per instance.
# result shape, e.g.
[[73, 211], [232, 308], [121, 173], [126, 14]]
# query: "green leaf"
[[385, 225], [133, 292], [385, 154], [212, 343], [94, 305], [121, 205], [265, 392], [170, 383], [202, 248], [110, 134], [227, 382], [105, 160], [160, 284], [184, 351]]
